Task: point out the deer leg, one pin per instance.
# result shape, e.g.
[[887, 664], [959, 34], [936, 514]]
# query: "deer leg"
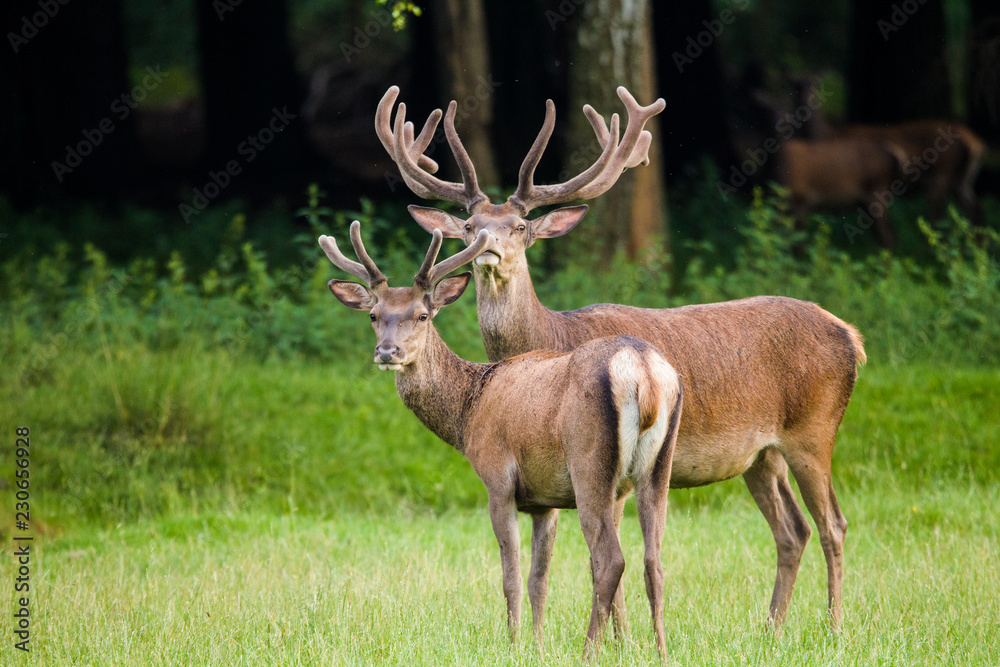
[[812, 472], [543, 538], [937, 196], [886, 234], [651, 499], [767, 480], [607, 564], [969, 204], [503, 514], [619, 614]]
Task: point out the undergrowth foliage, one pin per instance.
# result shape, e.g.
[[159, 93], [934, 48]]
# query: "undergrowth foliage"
[[161, 386]]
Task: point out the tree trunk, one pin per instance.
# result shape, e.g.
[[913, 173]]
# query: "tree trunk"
[[464, 48], [984, 70], [68, 120], [253, 97], [613, 47], [897, 69]]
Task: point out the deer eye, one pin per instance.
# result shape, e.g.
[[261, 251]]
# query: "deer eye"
[[468, 227], [520, 228], [423, 317], [372, 316]]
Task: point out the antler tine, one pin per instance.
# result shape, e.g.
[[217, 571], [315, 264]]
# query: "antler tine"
[[529, 195], [597, 122], [474, 196], [640, 150], [422, 279], [615, 159], [329, 246], [415, 167], [526, 174], [446, 190], [383, 129], [375, 276], [427, 279], [423, 140]]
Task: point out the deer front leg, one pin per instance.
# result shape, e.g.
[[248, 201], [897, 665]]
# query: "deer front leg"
[[503, 514], [543, 538]]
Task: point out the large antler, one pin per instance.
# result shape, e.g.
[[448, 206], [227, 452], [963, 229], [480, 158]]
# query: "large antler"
[[614, 160], [415, 167], [366, 270], [430, 272]]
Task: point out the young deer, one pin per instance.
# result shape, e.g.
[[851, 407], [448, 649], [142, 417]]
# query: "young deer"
[[543, 430], [767, 379]]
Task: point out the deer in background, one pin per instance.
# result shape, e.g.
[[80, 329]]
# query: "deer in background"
[[766, 379], [542, 430], [836, 174], [940, 157], [841, 174]]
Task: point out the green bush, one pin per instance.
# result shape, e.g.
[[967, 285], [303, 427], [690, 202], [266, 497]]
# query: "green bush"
[[161, 383]]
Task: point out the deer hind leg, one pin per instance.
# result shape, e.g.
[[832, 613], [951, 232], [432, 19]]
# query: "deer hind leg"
[[596, 507], [619, 614], [543, 538], [812, 472], [767, 480], [651, 500]]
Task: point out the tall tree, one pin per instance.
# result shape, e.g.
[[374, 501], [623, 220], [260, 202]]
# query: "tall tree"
[[253, 97], [984, 70], [613, 47], [896, 67], [67, 118]]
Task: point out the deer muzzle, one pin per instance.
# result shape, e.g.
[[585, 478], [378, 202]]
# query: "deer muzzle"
[[387, 357]]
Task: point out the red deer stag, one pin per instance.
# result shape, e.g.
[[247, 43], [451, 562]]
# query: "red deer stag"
[[767, 378], [544, 429]]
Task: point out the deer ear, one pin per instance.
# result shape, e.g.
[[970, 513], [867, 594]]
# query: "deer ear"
[[433, 218], [558, 222], [448, 290], [353, 295]]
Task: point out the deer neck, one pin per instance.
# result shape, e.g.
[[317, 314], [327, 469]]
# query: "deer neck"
[[511, 318], [437, 387]]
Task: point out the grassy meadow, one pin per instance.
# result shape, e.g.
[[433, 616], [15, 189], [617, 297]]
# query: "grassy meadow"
[[219, 476]]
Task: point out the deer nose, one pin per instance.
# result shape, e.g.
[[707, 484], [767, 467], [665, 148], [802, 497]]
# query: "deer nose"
[[386, 353]]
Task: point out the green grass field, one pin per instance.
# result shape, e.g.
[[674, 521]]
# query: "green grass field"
[[220, 476], [296, 514]]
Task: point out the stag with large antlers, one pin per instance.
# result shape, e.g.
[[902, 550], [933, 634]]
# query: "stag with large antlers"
[[767, 379], [586, 429]]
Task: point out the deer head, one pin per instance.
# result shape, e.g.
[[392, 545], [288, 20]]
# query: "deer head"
[[507, 224], [401, 316]]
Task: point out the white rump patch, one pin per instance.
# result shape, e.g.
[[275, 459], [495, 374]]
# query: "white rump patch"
[[638, 449]]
